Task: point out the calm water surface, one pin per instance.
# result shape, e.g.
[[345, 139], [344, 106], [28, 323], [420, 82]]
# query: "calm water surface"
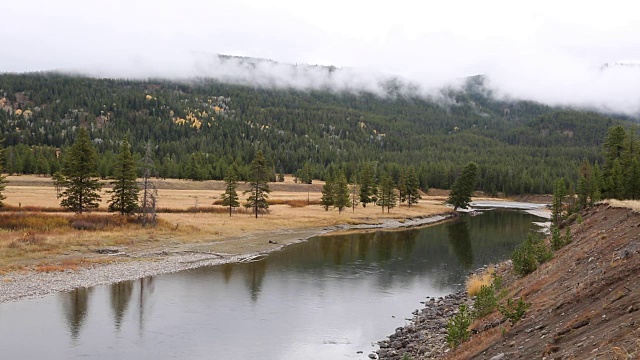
[[326, 298]]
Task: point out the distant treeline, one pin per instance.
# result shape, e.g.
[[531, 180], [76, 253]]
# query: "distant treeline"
[[199, 129]]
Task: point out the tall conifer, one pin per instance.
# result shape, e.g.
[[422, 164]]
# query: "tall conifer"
[[79, 176], [124, 195]]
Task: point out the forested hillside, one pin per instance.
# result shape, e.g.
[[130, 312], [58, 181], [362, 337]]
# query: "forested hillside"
[[201, 127]]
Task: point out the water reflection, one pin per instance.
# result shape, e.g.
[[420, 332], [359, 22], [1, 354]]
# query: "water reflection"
[[146, 290], [322, 299], [460, 241], [120, 297], [75, 306], [255, 273]]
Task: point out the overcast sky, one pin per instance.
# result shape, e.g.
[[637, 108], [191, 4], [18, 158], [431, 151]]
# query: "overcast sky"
[[550, 51]]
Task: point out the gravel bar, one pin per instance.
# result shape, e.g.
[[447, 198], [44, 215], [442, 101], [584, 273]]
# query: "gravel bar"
[[21, 285]]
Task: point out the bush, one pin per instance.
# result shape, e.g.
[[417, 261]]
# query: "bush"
[[475, 282], [514, 311], [485, 302], [458, 327], [528, 255], [556, 238]]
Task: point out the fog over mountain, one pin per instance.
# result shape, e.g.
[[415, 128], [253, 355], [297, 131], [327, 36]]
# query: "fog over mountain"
[[546, 51]]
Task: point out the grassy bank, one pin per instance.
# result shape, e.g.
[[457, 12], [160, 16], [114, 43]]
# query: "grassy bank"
[[36, 234]]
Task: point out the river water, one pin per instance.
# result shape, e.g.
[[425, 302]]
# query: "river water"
[[326, 298]]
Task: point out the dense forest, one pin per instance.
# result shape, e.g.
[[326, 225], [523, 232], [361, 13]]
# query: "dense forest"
[[199, 128]]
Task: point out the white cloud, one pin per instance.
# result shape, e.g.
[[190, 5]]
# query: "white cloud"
[[546, 50]]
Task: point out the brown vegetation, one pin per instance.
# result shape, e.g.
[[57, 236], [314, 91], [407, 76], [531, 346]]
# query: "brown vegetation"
[[35, 232]]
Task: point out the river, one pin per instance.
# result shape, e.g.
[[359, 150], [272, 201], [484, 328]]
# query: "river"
[[327, 298]]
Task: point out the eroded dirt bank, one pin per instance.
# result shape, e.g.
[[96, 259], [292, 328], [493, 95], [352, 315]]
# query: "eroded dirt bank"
[[584, 302]]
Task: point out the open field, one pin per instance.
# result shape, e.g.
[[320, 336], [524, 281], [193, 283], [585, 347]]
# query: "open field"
[[205, 228]]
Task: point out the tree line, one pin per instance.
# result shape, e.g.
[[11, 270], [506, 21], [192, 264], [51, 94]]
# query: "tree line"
[[201, 128]]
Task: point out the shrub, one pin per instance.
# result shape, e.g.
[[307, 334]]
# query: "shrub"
[[32, 221], [458, 327], [528, 255], [475, 282], [485, 302], [556, 238], [514, 311]]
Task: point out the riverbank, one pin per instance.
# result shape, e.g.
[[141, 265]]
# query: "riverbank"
[[583, 303], [130, 265]]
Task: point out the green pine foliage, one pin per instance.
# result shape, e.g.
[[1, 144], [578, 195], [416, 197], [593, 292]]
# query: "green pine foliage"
[[387, 196], [462, 189], [412, 187], [367, 185], [81, 189], [458, 327], [230, 196], [341, 197], [529, 255], [557, 205], [327, 198], [124, 195], [220, 124], [258, 185]]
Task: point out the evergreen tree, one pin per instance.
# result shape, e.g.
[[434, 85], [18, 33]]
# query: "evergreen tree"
[[463, 187], [81, 187], [614, 146], [304, 174], [230, 196], [616, 181], [355, 190], [124, 195], [402, 187], [412, 185], [559, 192], [386, 193], [259, 184], [341, 192], [367, 184], [327, 199]]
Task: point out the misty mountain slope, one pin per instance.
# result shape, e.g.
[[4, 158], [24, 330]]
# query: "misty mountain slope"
[[521, 146]]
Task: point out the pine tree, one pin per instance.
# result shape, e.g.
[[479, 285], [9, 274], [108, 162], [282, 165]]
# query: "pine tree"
[[3, 179], [341, 192], [230, 196], [259, 184], [412, 185], [463, 187], [124, 195], [355, 190], [386, 193], [559, 192], [327, 199], [305, 173], [367, 184], [402, 187], [81, 187]]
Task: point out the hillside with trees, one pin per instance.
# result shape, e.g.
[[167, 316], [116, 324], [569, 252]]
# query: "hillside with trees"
[[201, 128]]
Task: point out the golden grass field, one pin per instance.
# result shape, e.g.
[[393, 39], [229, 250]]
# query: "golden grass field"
[[240, 233]]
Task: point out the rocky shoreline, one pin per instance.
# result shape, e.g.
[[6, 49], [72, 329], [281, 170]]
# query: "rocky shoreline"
[[425, 336], [29, 284]]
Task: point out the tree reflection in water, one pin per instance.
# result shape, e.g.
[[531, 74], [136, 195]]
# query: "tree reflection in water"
[[460, 242], [75, 304]]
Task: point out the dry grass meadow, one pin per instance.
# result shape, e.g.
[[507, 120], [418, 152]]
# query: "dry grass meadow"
[[35, 233]]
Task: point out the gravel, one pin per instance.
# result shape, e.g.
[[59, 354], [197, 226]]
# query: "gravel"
[[21, 285]]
